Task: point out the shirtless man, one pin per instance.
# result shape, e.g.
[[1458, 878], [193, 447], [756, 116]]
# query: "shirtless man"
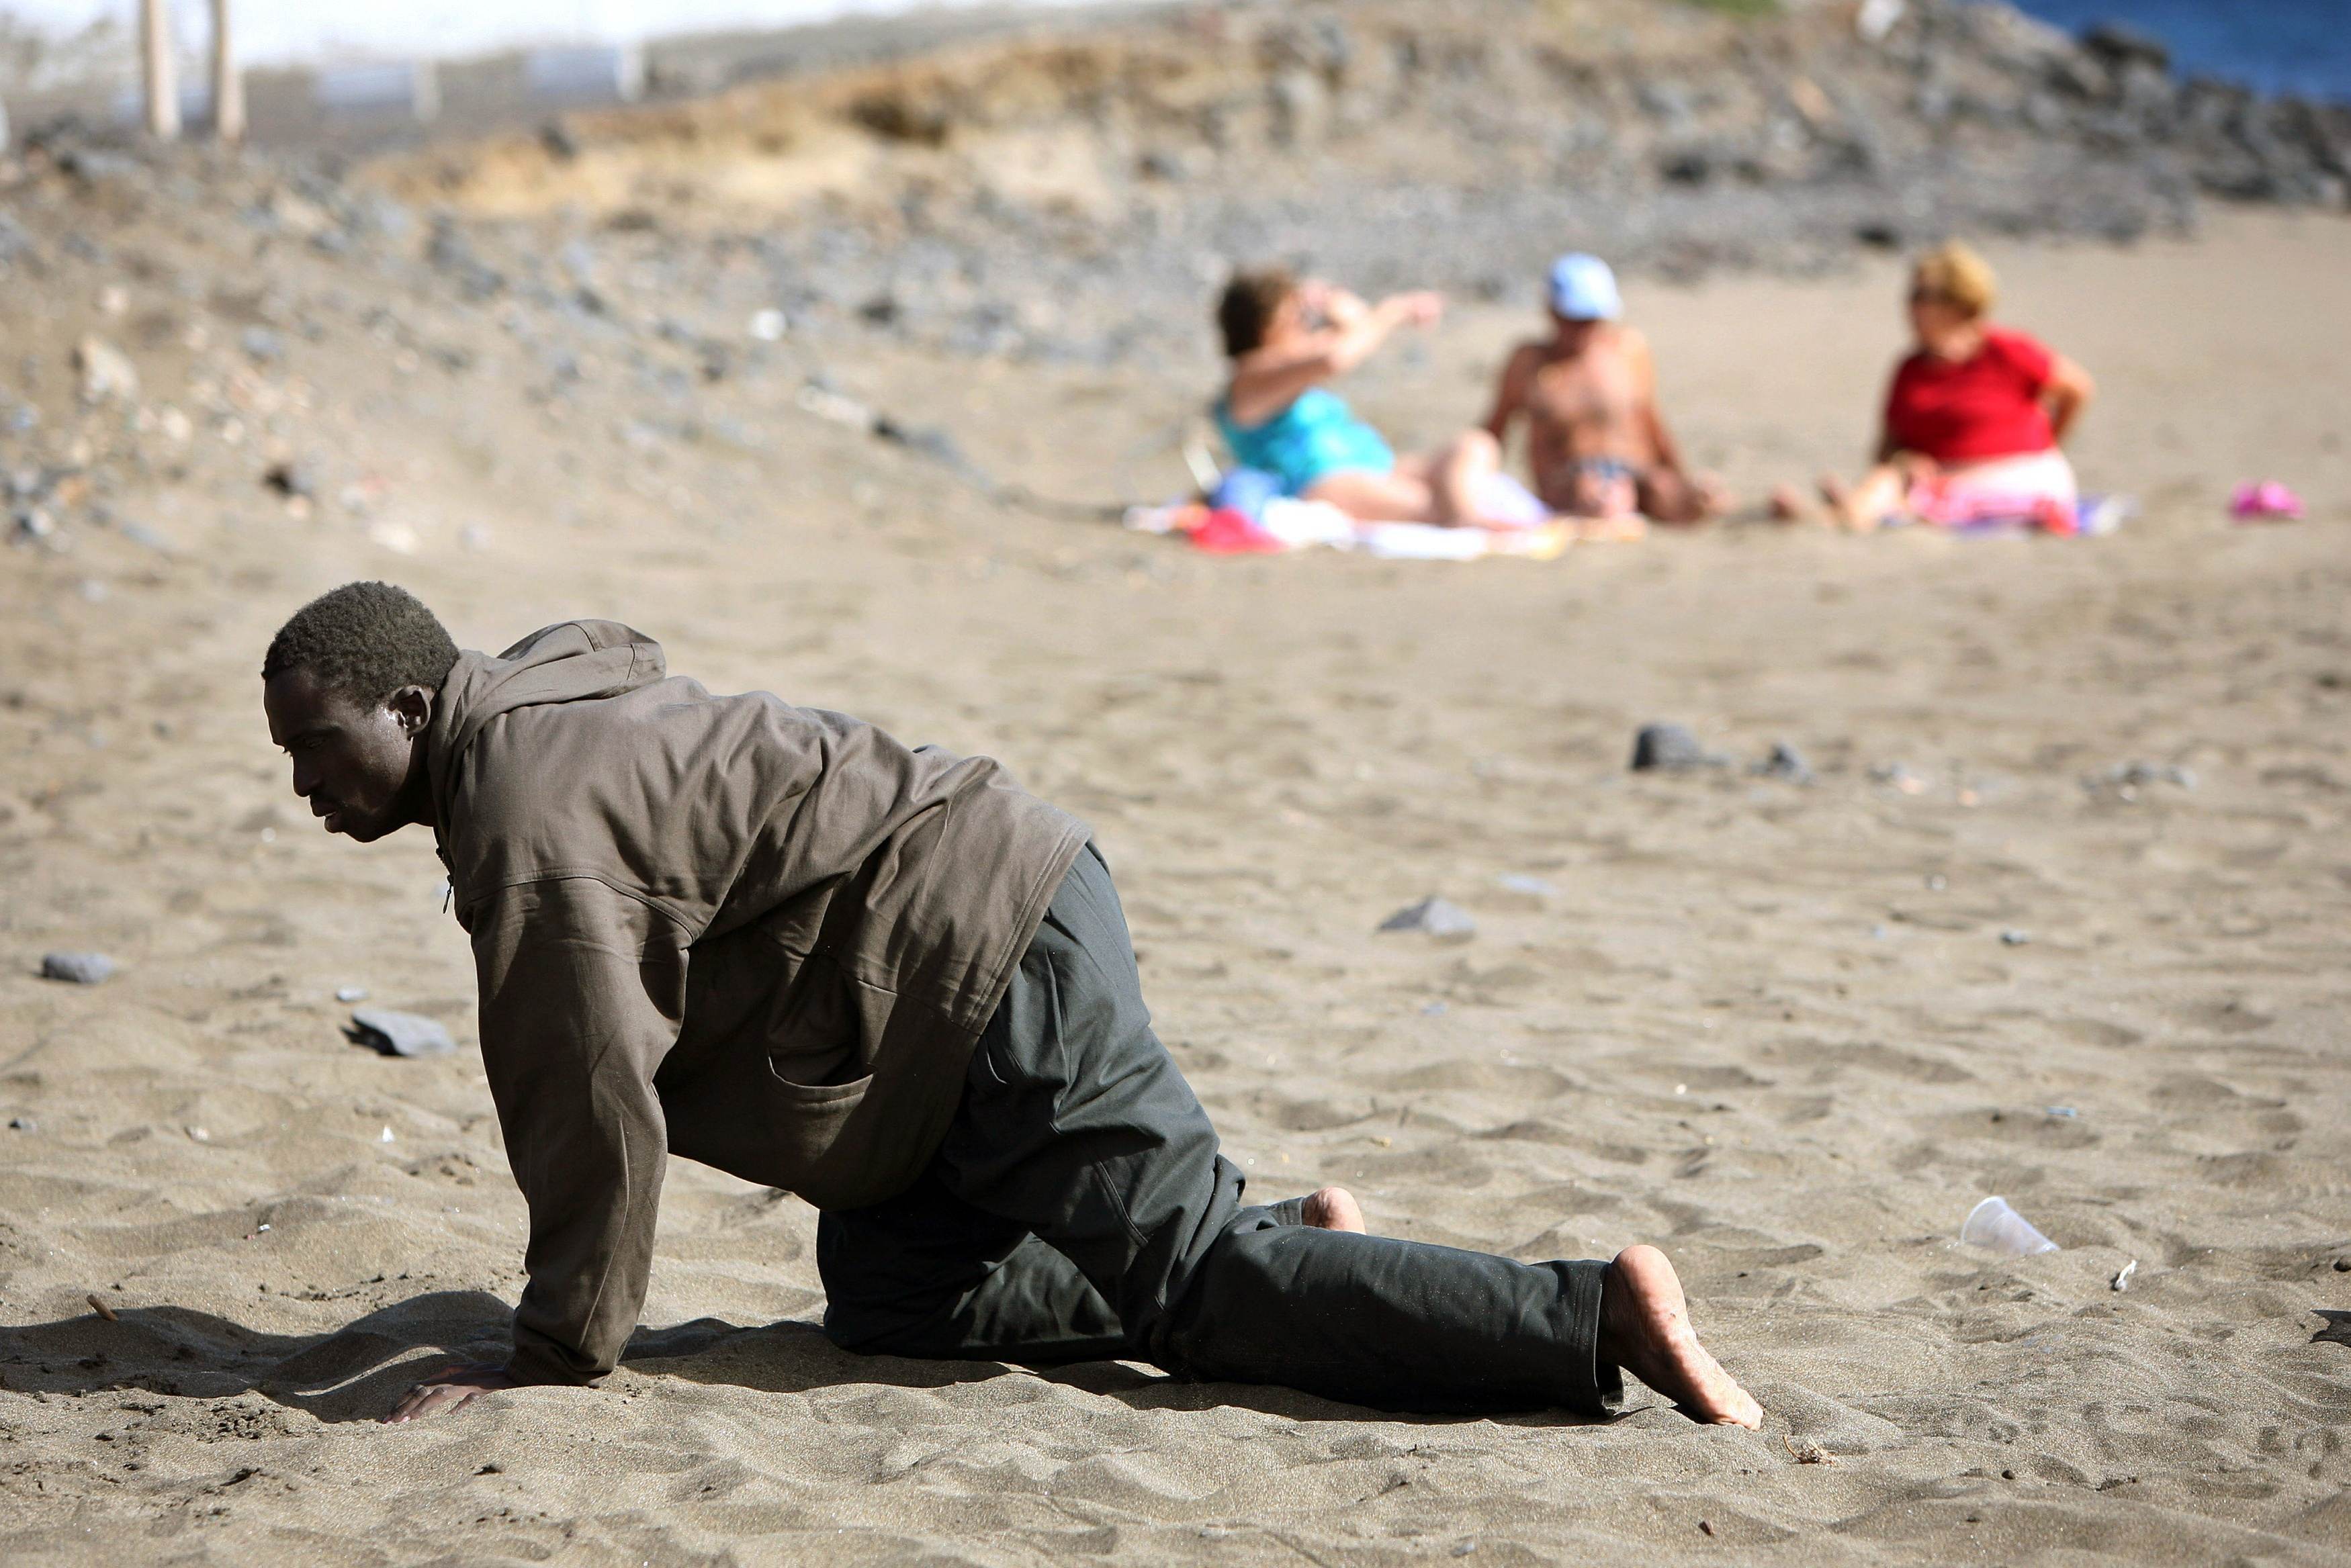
[[776, 942], [1596, 444]]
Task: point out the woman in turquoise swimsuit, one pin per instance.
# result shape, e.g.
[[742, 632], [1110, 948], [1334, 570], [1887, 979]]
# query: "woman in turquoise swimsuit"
[[1288, 337]]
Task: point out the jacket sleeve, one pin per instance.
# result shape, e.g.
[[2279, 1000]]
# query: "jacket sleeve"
[[582, 988]]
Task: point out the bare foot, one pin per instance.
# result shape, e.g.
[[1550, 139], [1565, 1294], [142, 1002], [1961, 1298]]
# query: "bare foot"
[[1334, 1208], [1644, 1328], [1842, 501], [1788, 505]]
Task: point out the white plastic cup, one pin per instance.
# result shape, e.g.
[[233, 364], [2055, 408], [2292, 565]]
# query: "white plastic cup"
[[1993, 1225]]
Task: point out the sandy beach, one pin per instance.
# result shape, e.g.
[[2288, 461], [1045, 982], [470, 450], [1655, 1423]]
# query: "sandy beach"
[[1792, 1033]]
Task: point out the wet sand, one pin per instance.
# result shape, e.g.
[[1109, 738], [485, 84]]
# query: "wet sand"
[[1792, 1033]]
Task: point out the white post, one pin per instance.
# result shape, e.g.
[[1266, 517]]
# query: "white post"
[[229, 82], [161, 70]]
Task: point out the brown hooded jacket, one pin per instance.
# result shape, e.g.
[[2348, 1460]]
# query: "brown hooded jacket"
[[758, 936]]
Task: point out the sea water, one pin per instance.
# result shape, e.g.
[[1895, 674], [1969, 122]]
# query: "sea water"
[[2299, 47]]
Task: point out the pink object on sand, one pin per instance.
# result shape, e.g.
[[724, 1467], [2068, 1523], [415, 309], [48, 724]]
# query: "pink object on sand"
[[2268, 499], [1225, 532]]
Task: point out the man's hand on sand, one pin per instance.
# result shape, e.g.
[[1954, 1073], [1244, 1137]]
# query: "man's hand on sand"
[[451, 1388]]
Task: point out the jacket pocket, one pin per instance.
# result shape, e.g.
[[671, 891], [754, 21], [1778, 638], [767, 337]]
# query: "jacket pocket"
[[812, 1098], [816, 1037], [810, 1126]]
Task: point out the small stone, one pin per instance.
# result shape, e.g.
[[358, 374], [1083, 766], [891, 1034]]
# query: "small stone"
[[26, 1124], [2015, 938], [1532, 887], [106, 371], [77, 969], [1785, 763], [2121, 1281], [2342, 1265], [349, 993], [261, 344], [291, 478], [770, 325], [1435, 916], [1670, 747], [2137, 776], [399, 1034], [1901, 777], [1705, 1527]]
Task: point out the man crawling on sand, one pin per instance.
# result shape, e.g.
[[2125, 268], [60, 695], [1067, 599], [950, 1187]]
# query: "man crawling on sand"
[[1596, 444], [778, 941]]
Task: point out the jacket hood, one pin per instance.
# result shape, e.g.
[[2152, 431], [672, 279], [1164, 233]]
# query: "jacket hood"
[[573, 662]]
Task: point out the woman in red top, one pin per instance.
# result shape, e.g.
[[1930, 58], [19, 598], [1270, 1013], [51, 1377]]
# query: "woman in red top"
[[1973, 417]]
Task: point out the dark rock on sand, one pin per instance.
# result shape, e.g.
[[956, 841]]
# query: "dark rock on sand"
[[291, 478], [1670, 747], [1784, 762], [1435, 916], [399, 1033], [77, 969]]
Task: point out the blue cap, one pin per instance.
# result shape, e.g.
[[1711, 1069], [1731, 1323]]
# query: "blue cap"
[[1583, 288]]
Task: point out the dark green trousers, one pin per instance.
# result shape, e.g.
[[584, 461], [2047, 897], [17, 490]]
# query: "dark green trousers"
[[1079, 1210]]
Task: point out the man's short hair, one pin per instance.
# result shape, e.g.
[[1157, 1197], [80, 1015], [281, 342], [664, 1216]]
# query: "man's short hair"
[[366, 640], [1248, 304], [1957, 275]]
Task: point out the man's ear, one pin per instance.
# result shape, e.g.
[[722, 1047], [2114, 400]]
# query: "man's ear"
[[412, 706]]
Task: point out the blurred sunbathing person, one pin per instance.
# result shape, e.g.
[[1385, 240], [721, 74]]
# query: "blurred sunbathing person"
[[1287, 336], [774, 940], [1596, 444], [1973, 416]]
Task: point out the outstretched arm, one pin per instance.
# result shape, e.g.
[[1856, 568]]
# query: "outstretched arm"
[[583, 990], [1266, 382]]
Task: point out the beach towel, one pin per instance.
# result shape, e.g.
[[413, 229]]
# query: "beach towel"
[[1285, 524]]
